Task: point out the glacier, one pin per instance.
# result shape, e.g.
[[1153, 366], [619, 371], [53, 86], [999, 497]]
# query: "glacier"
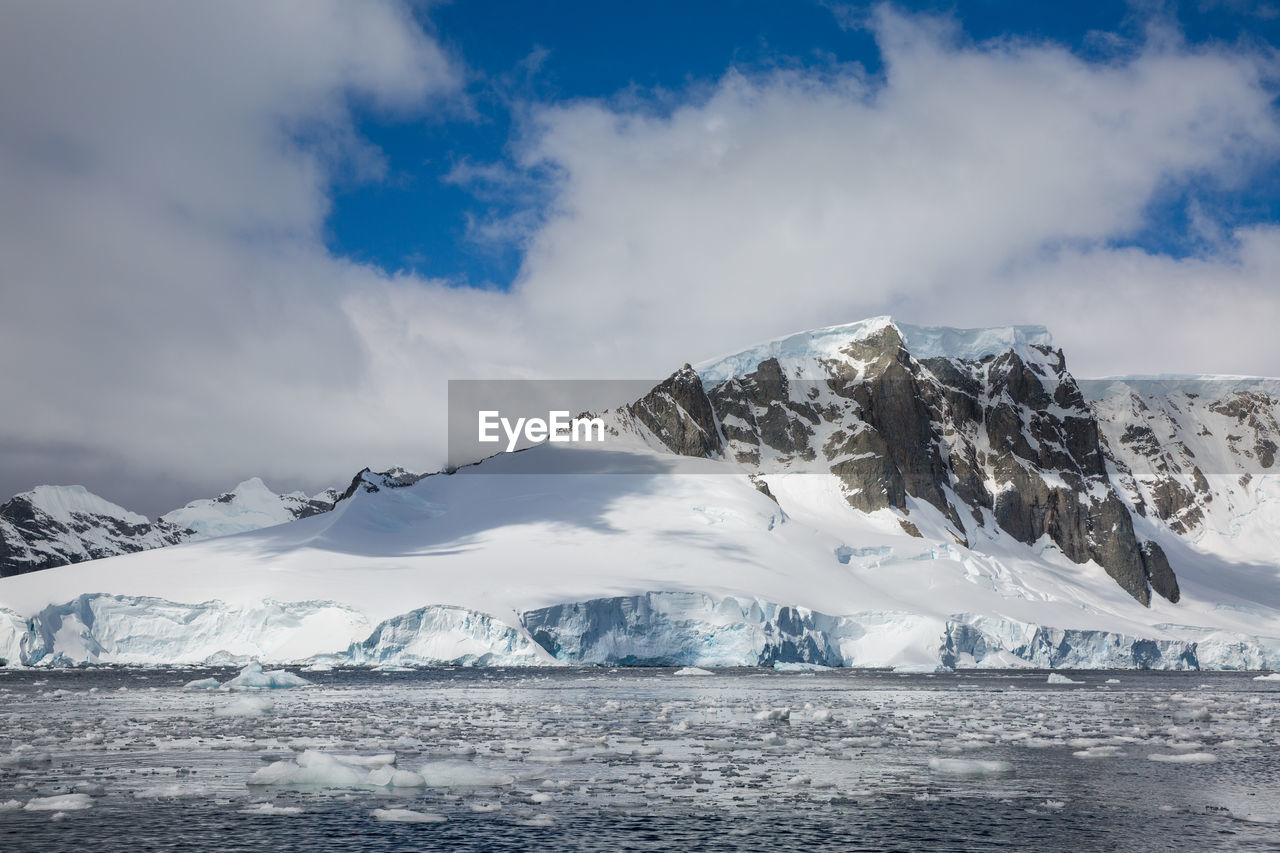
[[674, 629]]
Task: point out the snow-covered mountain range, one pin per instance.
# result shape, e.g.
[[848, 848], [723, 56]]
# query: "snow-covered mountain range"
[[872, 494], [56, 525]]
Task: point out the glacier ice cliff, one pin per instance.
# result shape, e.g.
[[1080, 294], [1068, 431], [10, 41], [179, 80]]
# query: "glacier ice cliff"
[[652, 629]]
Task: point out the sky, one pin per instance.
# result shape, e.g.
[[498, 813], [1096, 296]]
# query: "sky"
[[257, 239]]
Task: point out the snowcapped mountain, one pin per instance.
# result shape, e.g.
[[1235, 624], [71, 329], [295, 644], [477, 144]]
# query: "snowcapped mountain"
[[56, 525], [249, 506], [872, 494]]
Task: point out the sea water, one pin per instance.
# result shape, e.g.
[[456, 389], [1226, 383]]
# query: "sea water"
[[638, 759]]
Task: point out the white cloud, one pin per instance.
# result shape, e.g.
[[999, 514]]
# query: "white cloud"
[[168, 305], [790, 200]]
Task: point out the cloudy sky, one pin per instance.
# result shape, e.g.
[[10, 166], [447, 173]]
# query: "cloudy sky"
[[257, 238]]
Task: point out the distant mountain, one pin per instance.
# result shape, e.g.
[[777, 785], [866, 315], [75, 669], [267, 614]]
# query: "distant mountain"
[[871, 494], [249, 506], [57, 525]]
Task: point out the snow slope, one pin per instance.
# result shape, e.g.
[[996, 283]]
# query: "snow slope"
[[681, 561]]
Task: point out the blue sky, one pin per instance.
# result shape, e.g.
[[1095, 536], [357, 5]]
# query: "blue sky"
[[666, 52], [258, 239]]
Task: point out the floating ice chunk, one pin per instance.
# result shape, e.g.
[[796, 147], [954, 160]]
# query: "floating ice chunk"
[[774, 714], [822, 715], [271, 809], [246, 706], [10, 805], [1053, 804], [387, 776], [202, 684], [541, 798], [407, 816], [921, 668], [1057, 678], [1112, 681], [693, 670], [463, 774], [1099, 752], [1185, 758], [485, 808], [319, 667], [253, 678], [59, 803], [968, 767], [314, 769], [1271, 676]]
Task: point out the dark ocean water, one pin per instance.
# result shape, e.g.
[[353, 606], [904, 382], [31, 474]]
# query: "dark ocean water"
[[594, 759]]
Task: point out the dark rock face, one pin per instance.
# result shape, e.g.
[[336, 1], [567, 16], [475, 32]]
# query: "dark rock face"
[[1168, 438], [35, 536], [678, 412], [32, 539], [370, 481], [1008, 440], [1159, 573]]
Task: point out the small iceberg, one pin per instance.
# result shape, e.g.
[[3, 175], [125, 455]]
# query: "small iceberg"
[[693, 670], [252, 677], [1055, 678]]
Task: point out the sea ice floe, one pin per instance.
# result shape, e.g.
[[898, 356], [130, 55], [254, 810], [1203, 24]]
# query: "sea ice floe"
[[1184, 758], [1099, 752], [245, 706], [59, 803], [202, 684], [693, 670], [1271, 676], [1057, 678], [315, 769], [968, 767], [773, 714]]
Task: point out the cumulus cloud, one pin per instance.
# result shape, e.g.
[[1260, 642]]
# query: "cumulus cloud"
[[168, 305], [964, 188]]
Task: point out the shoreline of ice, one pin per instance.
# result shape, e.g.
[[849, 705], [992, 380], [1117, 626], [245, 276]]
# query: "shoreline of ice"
[[676, 629]]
